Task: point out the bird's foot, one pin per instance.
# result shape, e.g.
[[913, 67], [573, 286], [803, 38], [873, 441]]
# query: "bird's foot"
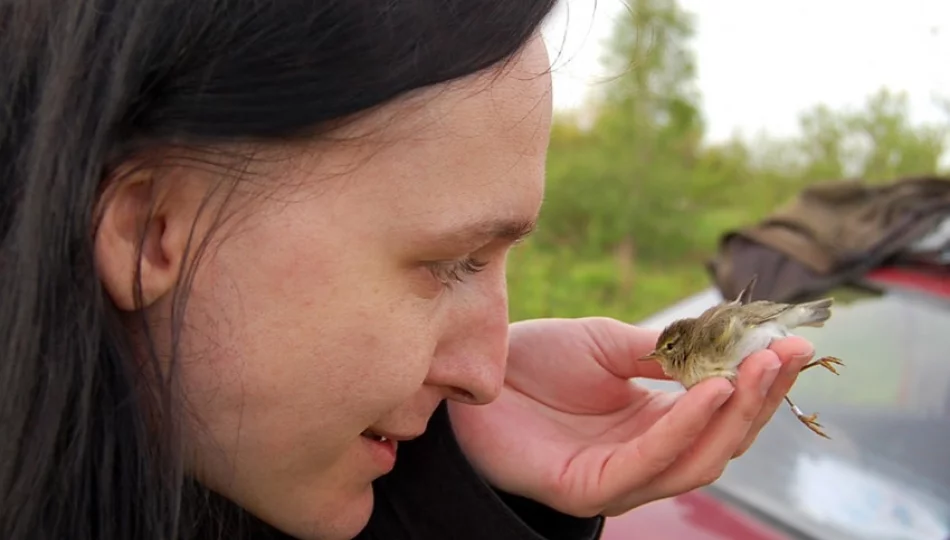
[[827, 362], [810, 420]]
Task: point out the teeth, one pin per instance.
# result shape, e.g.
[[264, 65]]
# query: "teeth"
[[370, 435]]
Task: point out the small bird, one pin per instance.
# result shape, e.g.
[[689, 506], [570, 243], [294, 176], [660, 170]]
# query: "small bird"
[[718, 340]]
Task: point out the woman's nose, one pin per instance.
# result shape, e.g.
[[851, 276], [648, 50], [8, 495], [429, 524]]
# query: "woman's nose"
[[471, 357]]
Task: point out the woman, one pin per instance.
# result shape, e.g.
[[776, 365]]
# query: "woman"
[[251, 248]]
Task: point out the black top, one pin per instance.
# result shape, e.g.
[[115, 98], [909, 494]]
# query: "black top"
[[433, 492]]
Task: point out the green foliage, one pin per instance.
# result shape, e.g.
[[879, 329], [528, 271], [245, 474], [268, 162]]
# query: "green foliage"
[[557, 283], [635, 201]]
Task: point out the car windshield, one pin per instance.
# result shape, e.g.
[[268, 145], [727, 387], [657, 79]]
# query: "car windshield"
[[886, 472]]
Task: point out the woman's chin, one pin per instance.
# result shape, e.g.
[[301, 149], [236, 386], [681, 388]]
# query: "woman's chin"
[[342, 521]]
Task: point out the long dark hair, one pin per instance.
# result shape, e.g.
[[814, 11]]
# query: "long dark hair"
[[84, 85]]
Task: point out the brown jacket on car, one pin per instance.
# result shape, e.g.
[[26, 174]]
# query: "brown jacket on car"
[[830, 234]]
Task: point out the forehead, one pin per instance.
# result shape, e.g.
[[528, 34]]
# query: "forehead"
[[468, 151], [673, 329]]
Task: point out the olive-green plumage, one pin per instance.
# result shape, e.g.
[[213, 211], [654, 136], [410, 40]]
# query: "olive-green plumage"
[[716, 342]]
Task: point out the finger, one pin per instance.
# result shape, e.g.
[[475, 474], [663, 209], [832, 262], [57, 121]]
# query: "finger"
[[637, 462], [712, 450], [794, 352], [792, 346], [619, 345]]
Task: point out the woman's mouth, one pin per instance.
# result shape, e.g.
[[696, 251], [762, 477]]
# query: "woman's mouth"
[[381, 448], [371, 435]]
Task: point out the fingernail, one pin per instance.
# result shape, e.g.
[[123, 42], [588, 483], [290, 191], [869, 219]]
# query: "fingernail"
[[722, 397], [803, 357], [769, 375]]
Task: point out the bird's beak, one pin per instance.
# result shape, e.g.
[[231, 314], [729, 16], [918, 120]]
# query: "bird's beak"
[[651, 356]]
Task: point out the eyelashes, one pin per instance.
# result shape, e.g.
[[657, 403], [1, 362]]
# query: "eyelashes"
[[449, 273]]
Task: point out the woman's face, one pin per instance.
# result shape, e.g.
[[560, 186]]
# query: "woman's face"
[[344, 303]]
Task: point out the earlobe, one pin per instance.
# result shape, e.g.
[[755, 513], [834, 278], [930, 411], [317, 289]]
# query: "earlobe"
[[133, 236]]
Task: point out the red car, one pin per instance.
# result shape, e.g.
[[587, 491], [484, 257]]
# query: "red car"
[[885, 475]]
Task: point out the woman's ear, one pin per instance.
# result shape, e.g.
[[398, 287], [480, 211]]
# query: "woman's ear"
[[140, 225]]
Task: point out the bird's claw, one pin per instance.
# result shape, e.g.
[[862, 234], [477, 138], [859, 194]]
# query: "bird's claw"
[[811, 422], [827, 362]]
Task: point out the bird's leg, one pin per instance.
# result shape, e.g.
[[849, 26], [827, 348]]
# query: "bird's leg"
[[827, 362], [810, 421]]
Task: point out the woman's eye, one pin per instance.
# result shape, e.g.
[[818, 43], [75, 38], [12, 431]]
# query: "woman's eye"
[[450, 272]]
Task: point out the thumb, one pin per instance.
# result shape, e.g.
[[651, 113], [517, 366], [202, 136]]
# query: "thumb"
[[618, 346]]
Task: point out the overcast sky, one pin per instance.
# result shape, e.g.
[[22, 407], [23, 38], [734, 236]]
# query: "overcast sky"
[[761, 62]]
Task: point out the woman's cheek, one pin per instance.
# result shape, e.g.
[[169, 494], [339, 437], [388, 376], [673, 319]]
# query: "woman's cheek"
[[401, 361]]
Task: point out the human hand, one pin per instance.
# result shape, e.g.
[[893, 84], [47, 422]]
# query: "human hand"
[[571, 431]]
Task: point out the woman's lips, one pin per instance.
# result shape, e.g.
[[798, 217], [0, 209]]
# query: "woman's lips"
[[381, 448]]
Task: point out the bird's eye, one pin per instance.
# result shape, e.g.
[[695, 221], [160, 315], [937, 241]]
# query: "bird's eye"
[[669, 345]]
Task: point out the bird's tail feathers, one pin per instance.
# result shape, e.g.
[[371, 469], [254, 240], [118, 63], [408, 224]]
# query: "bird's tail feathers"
[[813, 313]]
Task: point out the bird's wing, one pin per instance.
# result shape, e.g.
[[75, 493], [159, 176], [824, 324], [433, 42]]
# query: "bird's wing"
[[745, 295], [712, 313], [718, 328], [762, 311]]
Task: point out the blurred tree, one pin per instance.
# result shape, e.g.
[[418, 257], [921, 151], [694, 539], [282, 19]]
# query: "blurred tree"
[[619, 188], [635, 201], [894, 146], [653, 98], [878, 142], [824, 143]]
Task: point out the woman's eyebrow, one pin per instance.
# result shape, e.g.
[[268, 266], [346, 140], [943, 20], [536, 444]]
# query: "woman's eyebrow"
[[510, 230]]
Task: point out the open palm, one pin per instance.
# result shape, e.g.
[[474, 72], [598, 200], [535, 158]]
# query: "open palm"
[[572, 431]]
